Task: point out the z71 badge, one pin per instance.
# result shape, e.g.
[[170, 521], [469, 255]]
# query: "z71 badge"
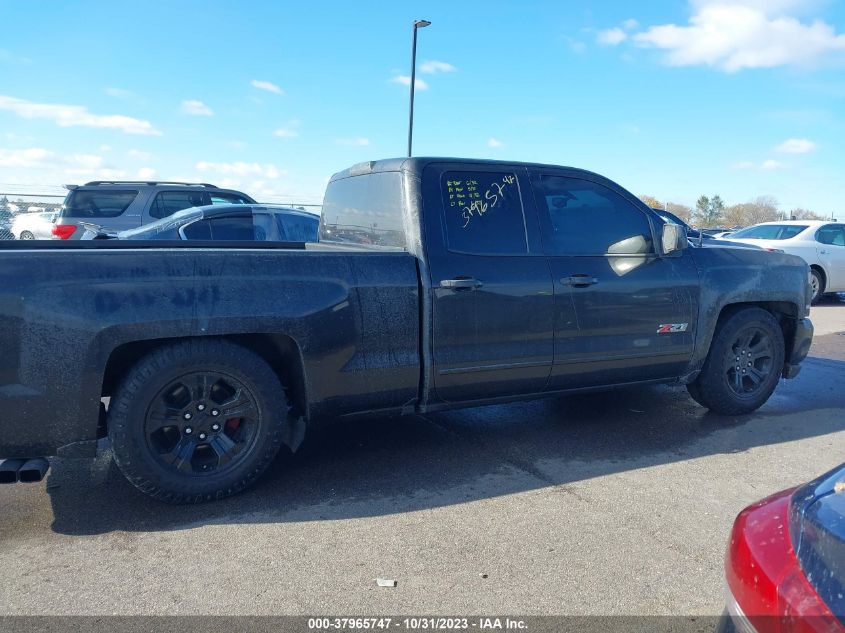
[[670, 328]]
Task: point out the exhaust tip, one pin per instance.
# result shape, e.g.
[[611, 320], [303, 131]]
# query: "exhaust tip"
[[33, 470], [9, 470]]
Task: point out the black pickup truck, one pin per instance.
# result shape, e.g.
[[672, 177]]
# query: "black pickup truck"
[[437, 283]]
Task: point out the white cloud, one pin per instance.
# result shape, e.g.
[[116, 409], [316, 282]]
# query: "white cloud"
[[419, 84], [766, 165], [630, 24], [105, 148], [288, 130], [146, 173], [796, 146], [196, 108], [239, 168], [267, 86], [611, 37], [27, 158], [433, 66], [494, 142], [735, 34], [139, 155], [49, 166], [359, 141], [84, 161], [771, 165], [76, 116]]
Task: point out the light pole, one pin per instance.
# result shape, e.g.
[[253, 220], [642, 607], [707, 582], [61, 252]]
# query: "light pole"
[[418, 24]]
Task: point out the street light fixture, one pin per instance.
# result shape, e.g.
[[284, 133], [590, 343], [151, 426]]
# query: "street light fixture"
[[418, 24]]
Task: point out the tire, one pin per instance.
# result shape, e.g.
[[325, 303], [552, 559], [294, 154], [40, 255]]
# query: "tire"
[[197, 421], [26, 235], [734, 387], [817, 281]]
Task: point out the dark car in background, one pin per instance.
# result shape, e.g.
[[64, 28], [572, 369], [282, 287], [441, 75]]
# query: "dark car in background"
[[237, 222], [785, 564], [696, 238], [122, 205], [674, 219]]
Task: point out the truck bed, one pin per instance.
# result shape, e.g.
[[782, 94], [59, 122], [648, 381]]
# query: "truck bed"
[[67, 310]]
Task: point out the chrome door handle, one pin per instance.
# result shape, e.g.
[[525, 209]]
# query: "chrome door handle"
[[579, 281], [461, 283]]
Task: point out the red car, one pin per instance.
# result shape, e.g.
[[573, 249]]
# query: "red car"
[[785, 564]]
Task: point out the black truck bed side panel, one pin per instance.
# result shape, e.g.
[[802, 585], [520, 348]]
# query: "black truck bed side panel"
[[63, 312]]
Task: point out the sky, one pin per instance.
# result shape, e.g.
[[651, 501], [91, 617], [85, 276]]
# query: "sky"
[[674, 99]]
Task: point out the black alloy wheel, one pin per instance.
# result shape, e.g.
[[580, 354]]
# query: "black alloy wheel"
[[202, 422], [749, 362]]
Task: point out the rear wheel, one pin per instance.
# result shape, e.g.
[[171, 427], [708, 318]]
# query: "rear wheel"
[[817, 284], [27, 235], [197, 421], [744, 363]]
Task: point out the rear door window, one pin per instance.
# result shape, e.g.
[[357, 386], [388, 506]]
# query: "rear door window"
[[167, 203], [483, 213], [86, 203], [200, 230], [238, 228], [832, 234]]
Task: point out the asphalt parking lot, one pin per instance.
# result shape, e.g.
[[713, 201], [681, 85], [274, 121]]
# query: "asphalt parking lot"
[[614, 503]]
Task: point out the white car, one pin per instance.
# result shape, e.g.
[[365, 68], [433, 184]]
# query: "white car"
[[819, 243], [33, 226]]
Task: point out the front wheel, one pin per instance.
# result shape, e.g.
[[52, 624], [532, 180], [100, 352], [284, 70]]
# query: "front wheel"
[[197, 421], [744, 364], [26, 235]]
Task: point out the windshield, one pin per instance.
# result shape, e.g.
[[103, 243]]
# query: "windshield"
[[770, 231], [87, 203]]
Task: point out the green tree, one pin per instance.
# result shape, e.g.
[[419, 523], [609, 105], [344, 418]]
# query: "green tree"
[[702, 210], [709, 211], [717, 210]]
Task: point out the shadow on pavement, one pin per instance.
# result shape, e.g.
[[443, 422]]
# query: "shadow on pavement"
[[382, 466]]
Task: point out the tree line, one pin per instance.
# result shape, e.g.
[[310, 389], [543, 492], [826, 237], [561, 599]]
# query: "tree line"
[[712, 212]]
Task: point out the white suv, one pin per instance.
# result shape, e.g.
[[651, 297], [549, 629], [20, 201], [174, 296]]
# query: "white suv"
[[819, 243]]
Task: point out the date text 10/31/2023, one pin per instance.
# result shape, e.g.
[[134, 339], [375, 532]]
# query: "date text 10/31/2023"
[[416, 623]]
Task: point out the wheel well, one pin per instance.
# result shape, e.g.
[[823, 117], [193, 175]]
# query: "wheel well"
[[785, 312], [278, 350], [820, 270]]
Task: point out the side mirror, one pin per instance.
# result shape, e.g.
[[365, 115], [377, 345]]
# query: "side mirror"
[[674, 238]]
